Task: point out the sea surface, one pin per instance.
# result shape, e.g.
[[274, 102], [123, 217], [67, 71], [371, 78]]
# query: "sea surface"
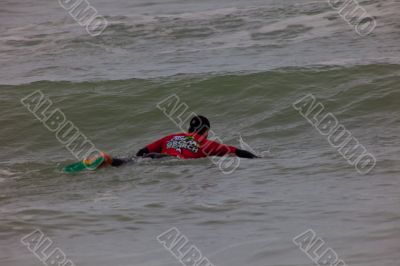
[[241, 63]]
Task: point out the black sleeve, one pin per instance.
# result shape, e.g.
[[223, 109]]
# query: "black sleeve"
[[118, 162], [142, 152], [245, 154]]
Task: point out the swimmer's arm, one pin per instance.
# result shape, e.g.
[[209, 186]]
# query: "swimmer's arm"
[[245, 154], [216, 149], [142, 152], [155, 147]]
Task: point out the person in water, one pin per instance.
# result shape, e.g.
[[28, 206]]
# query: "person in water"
[[191, 145]]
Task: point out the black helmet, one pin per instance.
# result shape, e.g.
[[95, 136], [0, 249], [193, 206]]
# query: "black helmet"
[[199, 124]]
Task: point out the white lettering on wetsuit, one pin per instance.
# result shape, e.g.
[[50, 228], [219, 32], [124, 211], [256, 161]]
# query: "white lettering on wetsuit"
[[183, 142]]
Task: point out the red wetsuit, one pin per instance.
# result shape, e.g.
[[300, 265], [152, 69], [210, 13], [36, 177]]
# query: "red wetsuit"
[[189, 146]]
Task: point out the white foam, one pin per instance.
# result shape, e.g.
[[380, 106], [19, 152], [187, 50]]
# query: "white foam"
[[203, 14], [4, 172]]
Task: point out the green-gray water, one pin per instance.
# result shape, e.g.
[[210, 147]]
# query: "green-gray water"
[[242, 64]]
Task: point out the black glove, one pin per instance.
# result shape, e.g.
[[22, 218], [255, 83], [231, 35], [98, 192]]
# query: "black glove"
[[142, 152], [245, 154]]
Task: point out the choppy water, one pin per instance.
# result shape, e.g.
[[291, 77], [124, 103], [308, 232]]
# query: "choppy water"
[[242, 64]]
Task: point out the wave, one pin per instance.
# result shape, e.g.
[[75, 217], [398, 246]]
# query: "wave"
[[195, 40], [122, 115]]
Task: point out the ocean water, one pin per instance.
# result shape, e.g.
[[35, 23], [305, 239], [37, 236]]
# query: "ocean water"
[[240, 63]]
